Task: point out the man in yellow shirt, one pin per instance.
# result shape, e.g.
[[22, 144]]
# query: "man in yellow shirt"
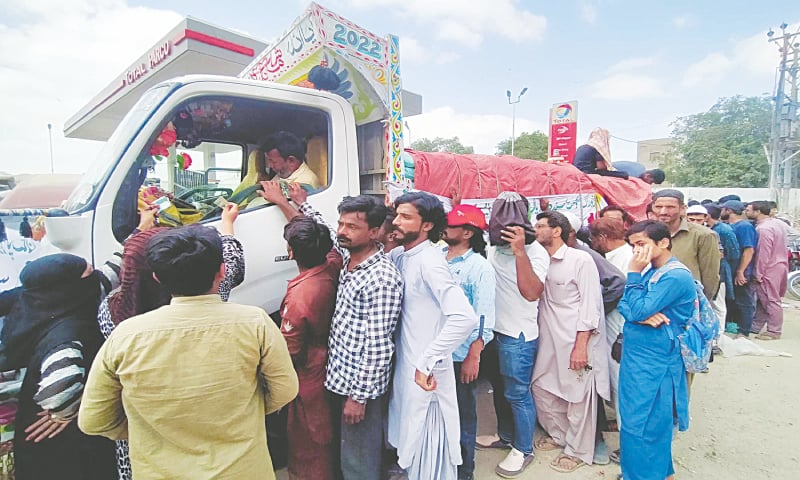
[[189, 384], [286, 156]]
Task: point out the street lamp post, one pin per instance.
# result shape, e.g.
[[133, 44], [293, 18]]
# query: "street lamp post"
[[514, 115], [50, 135]]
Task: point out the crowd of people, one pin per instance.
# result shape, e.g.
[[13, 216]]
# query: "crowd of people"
[[394, 315]]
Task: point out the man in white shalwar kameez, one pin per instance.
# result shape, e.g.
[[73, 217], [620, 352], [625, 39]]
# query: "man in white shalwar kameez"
[[436, 318], [572, 362]]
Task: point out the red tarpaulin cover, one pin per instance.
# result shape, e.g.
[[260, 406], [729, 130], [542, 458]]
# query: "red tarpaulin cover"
[[485, 176]]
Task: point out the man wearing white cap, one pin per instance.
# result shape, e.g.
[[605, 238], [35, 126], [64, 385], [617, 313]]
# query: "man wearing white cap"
[[697, 214]]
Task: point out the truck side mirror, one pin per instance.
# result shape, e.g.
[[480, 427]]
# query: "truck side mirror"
[[68, 232]]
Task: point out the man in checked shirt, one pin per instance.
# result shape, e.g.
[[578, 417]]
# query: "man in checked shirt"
[[360, 348]]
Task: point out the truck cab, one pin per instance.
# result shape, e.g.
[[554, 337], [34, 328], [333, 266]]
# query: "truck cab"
[[231, 117]]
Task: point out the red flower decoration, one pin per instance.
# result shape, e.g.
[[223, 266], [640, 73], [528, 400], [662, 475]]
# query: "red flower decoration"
[[165, 139]]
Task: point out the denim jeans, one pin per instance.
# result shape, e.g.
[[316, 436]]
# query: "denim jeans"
[[745, 299], [466, 394], [490, 370], [516, 367], [361, 445]]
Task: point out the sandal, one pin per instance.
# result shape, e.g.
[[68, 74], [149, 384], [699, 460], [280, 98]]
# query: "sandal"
[[546, 444], [557, 465], [614, 456]]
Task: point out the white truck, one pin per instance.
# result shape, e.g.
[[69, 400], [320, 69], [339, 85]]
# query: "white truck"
[[354, 134]]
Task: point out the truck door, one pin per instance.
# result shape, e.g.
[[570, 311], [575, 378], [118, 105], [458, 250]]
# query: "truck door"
[[203, 143]]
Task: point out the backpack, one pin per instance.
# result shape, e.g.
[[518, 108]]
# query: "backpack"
[[701, 329]]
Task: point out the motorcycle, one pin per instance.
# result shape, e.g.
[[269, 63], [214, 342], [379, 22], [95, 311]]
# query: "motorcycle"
[[793, 281]]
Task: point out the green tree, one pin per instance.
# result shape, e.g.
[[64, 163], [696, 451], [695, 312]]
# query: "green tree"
[[723, 147], [531, 146], [439, 144]]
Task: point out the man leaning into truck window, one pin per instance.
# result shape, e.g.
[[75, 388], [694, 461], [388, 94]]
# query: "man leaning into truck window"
[[360, 346]]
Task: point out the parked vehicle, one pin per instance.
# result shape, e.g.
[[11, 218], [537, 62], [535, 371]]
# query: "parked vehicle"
[[195, 140]]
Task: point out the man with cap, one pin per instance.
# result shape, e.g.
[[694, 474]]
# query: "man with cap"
[[697, 214], [694, 245], [744, 308], [731, 255], [466, 259]]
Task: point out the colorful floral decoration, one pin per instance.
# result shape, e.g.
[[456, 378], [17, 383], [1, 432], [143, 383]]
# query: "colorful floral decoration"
[[165, 139], [184, 160]]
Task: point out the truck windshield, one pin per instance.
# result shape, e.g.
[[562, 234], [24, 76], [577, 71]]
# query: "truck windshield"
[[94, 178]]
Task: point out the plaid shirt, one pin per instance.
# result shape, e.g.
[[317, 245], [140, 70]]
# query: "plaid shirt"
[[368, 302]]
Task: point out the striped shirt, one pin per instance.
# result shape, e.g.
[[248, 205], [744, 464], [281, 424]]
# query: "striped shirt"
[[368, 303], [61, 386]]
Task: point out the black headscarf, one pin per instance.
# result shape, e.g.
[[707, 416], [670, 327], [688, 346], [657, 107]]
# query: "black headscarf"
[[52, 296]]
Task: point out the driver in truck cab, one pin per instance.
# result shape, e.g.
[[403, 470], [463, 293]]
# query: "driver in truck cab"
[[285, 154]]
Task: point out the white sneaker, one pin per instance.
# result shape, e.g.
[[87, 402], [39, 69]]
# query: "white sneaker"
[[514, 464]]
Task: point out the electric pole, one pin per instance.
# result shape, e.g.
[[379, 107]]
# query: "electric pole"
[[784, 138]]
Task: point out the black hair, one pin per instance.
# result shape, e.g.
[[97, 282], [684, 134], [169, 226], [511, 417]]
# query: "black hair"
[[287, 144], [648, 208], [658, 175], [557, 219], [429, 208], [626, 217], [714, 211], [476, 242], [692, 203], [186, 259], [773, 204], [654, 230], [310, 241], [761, 206], [390, 216], [706, 201], [374, 211]]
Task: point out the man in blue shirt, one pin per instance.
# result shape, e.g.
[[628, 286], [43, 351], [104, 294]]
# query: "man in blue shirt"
[[731, 256], [636, 169], [743, 289], [466, 259], [653, 393]]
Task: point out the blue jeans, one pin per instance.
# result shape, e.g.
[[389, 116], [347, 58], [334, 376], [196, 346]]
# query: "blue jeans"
[[516, 367], [745, 300], [466, 394], [361, 445]]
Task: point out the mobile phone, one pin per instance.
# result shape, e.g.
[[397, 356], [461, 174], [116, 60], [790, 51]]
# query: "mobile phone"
[[162, 203]]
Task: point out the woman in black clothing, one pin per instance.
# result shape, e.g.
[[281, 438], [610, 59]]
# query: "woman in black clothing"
[[51, 328]]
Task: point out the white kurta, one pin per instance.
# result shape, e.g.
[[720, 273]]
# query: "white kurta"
[[571, 302], [566, 400], [436, 318]]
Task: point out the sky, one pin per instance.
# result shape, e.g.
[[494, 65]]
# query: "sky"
[[633, 66]]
